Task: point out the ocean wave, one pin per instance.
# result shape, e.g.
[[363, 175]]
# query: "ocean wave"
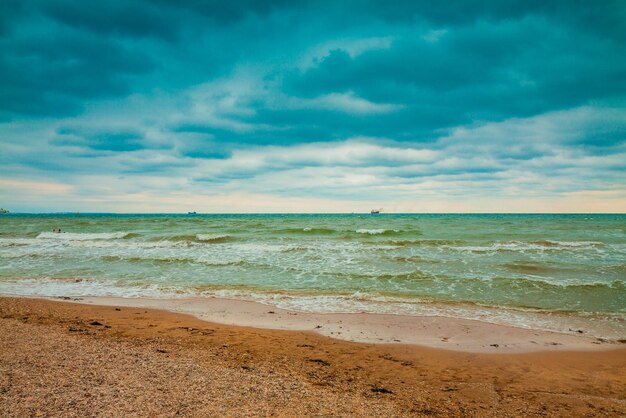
[[172, 260], [368, 300], [415, 275], [422, 242], [377, 231], [31, 256], [557, 286], [18, 242], [566, 244], [213, 237], [414, 259], [80, 236], [21, 234], [441, 281], [620, 268], [522, 246], [322, 231], [531, 267], [308, 231], [203, 238], [295, 248]]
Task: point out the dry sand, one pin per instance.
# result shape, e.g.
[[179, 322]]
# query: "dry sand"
[[67, 359]]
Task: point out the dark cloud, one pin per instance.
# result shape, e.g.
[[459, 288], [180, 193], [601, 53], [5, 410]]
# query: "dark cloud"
[[296, 132], [59, 56], [124, 18], [487, 71], [224, 13], [602, 139], [57, 74], [489, 60], [332, 93]]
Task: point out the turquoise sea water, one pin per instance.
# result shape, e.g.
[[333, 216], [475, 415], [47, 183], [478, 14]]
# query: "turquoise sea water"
[[544, 271]]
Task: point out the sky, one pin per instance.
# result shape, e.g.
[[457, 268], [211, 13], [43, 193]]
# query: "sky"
[[313, 106]]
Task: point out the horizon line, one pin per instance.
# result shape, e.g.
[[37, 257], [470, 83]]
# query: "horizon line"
[[310, 213]]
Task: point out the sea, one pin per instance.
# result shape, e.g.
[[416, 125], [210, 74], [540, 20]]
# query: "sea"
[[563, 273]]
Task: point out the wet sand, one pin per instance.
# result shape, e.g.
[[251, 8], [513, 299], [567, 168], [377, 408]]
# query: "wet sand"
[[69, 359], [431, 331]]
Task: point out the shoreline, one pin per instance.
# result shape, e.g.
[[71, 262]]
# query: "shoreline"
[[439, 332]]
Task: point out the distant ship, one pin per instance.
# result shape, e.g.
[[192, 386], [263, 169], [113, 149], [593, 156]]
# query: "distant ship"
[[3, 210], [375, 211], [191, 213]]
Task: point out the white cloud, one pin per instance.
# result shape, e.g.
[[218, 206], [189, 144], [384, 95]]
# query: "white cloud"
[[532, 164], [345, 102], [358, 152]]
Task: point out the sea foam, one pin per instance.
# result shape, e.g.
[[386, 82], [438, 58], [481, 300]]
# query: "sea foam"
[[212, 237], [73, 236], [376, 231]]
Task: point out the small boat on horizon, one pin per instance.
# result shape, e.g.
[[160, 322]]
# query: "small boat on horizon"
[[191, 213], [375, 211]]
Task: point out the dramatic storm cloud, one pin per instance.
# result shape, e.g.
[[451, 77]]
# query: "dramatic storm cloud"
[[312, 106]]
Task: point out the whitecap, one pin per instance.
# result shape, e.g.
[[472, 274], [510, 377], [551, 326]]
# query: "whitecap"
[[374, 231], [212, 237], [540, 246], [75, 236]]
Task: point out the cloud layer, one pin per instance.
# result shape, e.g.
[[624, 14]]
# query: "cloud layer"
[[310, 106]]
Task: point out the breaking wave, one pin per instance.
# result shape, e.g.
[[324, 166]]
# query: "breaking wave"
[[422, 242], [172, 260], [377, 231], [522, 246], [213, 237], [204, 238], [74, 236]]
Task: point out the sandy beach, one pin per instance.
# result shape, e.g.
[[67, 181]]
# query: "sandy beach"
[[312, 209], [107, 358], [445, 332]]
